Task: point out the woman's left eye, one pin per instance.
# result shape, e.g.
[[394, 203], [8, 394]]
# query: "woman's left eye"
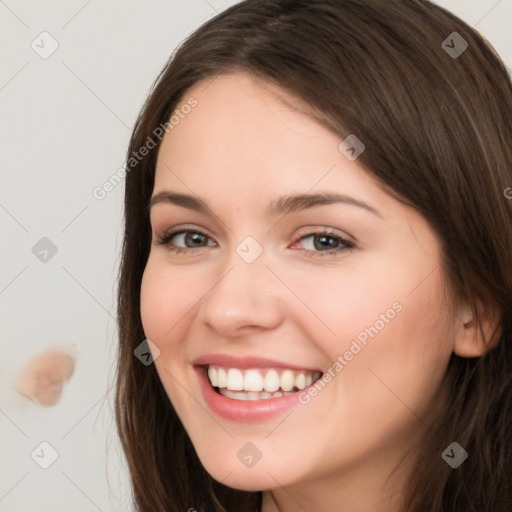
[[324, 243], [325, 240]]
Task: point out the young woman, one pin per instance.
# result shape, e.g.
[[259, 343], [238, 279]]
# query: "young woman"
[[315, 295]]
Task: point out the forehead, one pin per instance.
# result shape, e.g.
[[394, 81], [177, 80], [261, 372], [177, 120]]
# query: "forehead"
[[247, 142], [234, 113]]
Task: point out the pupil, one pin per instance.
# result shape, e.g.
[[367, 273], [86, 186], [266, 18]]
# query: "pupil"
[[194, 237], [323, 238]]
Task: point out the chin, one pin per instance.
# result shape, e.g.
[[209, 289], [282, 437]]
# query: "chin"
[[250, 480]]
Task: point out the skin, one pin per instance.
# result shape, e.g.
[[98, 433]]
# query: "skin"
[[241, 147]]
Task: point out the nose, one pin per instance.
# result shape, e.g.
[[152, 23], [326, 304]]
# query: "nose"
[[245, 297]]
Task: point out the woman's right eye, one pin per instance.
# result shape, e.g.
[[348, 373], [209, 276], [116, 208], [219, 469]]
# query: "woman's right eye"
[[185, 237]]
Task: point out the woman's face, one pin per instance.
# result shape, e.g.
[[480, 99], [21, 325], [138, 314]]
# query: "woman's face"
[[270, 292]]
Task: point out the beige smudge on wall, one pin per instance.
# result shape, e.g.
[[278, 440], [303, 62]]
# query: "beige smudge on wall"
[[43, 377]]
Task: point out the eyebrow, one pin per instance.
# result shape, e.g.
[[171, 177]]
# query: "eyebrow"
[[282, 205]]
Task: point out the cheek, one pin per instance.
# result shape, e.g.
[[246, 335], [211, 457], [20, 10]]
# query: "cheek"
[[151, 302], [163, 313], [169, 297], [377, 295], [390, 321], [357, 302], [161, 305], [402, 360]]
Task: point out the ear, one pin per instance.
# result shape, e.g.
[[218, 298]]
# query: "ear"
[[472, 339]]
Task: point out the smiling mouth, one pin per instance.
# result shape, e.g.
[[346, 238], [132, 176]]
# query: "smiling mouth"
[[259, 383]]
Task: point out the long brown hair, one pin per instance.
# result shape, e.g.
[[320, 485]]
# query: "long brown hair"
[[437, 127]]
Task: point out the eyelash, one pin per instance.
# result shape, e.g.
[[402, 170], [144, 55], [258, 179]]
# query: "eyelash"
[[345, 245]]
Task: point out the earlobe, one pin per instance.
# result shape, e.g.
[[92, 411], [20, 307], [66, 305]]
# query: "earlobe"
[[472, 339]]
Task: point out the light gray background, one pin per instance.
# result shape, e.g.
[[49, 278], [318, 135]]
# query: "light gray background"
[[65, 126]]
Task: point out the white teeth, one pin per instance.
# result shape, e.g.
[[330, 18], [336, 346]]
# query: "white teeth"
[[253, 381], [300, 381], [221, 377], [287, 380], [235, 380], [212, 375], [271, 382], [260, 383], [233, 394], [251, 395]]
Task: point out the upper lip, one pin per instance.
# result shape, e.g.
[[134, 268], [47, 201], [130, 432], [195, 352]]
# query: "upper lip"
[[229, 361]]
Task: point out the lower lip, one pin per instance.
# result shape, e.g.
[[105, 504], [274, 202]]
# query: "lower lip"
[[243, 410]]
